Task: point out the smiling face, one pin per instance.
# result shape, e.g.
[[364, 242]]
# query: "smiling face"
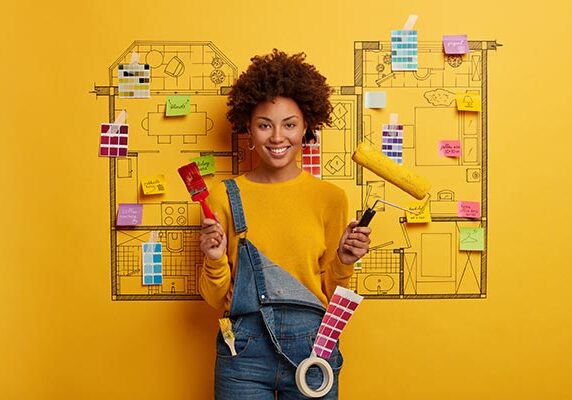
[[277, 128]]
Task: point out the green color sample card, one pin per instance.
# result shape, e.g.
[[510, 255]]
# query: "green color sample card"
[[178, 105], [206, 164]]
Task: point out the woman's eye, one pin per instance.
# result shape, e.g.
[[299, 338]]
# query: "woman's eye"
[[290, 125], [263, 126]]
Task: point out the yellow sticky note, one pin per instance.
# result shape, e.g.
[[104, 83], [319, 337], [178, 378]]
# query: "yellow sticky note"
[[154, 185], [423, 217], [468, 101]]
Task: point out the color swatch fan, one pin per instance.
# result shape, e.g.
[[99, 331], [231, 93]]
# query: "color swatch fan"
[[342, 306]]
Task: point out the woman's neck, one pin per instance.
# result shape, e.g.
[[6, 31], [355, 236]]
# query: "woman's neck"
[[263, 175]]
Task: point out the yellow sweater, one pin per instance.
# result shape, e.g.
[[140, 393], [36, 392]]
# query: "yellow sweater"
[[297, 224]]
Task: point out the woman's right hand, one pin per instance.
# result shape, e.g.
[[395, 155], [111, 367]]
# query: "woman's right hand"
[[212, 239]]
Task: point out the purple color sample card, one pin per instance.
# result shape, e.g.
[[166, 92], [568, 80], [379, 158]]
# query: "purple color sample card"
[[113, 141], [129, 214], [392, 142], [455, 44]]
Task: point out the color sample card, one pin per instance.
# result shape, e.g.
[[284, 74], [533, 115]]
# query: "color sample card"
[[152, 255], [375, 99], [392, 142], [455, 44], [206, 164], [134, 81], [311, 159], [472, 239], [423, 217], [469, 209], [129, 214], [404, 50], [468, 101], [113, 141], [341, 308], [154, 185], [450, 148], [178, 105]]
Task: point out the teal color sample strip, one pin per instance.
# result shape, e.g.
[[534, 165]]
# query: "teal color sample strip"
[[152, 256], [404, 46]]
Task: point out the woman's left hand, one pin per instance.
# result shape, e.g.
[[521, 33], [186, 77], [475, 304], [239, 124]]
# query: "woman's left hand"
[[354, 243]]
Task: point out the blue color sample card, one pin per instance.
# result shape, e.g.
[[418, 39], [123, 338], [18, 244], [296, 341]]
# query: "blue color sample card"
[[404, 50], [152, 256]]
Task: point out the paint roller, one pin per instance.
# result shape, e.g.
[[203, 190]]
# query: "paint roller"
[[381, 165]]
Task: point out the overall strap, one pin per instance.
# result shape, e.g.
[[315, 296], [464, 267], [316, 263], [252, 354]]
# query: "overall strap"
[[235, 206]]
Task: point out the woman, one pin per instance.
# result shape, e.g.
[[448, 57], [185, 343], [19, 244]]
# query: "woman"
[[280, 244]]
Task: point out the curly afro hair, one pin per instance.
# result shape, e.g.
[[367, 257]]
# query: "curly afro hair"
[[277, 74]]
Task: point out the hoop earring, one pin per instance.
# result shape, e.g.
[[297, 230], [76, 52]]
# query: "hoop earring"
[[251, 146]]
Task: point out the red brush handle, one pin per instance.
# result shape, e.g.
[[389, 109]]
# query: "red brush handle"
[[206, 210]]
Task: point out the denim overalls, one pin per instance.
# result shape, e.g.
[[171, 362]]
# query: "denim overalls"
[[275, 320]]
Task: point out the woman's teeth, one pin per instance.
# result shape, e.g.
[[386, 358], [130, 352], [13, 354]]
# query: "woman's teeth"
[[280, 150]]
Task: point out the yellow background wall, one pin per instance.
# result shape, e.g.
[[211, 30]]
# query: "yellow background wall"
[[61, 336]]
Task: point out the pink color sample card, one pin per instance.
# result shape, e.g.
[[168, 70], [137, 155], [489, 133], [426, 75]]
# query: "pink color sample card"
[[311, 160], [469, 209], [341, 308], [455, 44], [113, 142], [129, 214]]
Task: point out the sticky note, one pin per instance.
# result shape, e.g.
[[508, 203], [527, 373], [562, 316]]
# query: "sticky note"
[[455, 44], [178, 105], [129, 214], [469, 209], [468, 101], [206, 164], [472, 239], [134, 81], [375, 99], [113, 140], [152, 257], [404, 50], [154, 185], [423, 217], [450, 148], [392, 142]]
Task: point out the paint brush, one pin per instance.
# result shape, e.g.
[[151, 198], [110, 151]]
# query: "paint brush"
[[196, 186]]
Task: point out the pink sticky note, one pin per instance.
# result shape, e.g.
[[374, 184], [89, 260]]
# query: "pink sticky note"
[[129, 214], [450, 148], [455, 44], [469, 209]]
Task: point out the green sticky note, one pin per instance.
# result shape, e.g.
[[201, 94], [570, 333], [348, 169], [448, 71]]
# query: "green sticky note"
[[178, 105], [472, 239], [206, 164]]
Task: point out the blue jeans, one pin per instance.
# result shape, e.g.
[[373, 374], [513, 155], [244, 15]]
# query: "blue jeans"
[[258, 371]]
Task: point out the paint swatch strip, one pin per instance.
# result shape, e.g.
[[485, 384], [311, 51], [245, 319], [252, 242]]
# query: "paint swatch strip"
[[134, 81], [311, 159], [392, 142], [341, 308]]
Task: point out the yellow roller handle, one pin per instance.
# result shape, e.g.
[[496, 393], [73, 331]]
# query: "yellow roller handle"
[[368, 157]]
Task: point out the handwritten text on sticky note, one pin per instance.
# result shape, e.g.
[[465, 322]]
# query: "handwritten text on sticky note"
[[471, 239], [450, 148], [129, 214], [469, 209], [468, 101], [423, 217], [455, 44], [154, 185], [206, 164], [178, 105]]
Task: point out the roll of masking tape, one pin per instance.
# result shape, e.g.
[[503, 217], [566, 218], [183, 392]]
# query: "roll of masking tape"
[[327, 373]]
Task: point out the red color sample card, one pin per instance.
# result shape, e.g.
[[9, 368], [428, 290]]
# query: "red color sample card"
[[113, 142], [341, 308]]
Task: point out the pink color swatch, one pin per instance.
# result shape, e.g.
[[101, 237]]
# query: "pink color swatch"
[[311, 159], [341, 308], [113, 141]]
